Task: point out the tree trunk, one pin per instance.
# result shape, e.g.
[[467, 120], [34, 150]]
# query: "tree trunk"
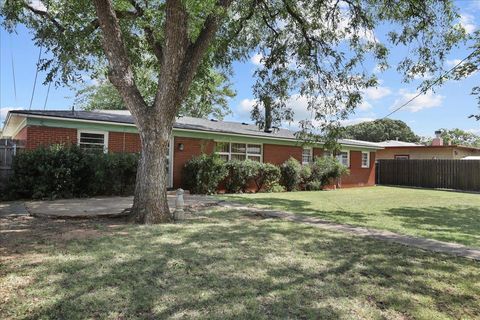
[[150, 203]]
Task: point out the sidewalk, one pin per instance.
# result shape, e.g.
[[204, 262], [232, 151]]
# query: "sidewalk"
[[417, 242]]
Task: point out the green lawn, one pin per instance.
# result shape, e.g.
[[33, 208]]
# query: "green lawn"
[[441, 215], [224, 266]]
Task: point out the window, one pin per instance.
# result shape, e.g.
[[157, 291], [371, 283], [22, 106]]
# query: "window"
[[365, 159], [307, 155], [344, 158], [239, 151], [93, 140], [402, 157]]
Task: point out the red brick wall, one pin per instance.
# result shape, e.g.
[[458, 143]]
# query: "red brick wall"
[[317, 152], [278, 154], [191, 147], [359, 176], [123, 142], [37, 136]]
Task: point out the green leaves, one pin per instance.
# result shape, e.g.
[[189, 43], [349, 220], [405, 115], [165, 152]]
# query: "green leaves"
[[312, 48], [381, 130]]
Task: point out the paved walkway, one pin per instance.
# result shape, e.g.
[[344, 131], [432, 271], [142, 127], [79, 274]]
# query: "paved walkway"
[[417, 242], [101, 206], [12, 208]]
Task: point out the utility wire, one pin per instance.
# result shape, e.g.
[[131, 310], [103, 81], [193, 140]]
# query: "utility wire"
[[35, 81], [13, 74], [46, 98], [424, 90]]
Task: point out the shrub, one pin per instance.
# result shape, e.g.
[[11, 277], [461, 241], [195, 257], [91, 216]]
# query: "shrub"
[[291, 174], [305, 175], [240, 173], [65, 172], [323, 171], [276, 187], [267, 176], [204, 173]]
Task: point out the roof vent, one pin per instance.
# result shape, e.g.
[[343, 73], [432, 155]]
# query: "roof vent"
[[245, 124], [214, 120]]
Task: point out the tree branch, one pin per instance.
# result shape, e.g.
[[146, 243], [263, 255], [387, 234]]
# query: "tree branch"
[[121, 73], [149, 35], [47, 15], [197, 49]]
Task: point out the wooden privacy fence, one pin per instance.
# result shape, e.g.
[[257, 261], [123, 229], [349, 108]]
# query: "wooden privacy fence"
[[441, 174]]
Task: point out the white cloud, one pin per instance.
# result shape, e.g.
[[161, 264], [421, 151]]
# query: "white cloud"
[[453, 62], [377, 93], [468, 22], [4, 111], [257, 59], [37, 4], [474, 131], [424, 101], [349, 122], [364, 106]]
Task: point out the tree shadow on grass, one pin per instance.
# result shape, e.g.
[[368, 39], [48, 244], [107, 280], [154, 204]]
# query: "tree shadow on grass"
[[233, 267], [459, 223], [454, 224], [304, 207]]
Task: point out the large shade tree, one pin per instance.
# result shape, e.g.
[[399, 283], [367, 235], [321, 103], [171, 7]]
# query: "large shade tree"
[[315, 48], [381, 130]]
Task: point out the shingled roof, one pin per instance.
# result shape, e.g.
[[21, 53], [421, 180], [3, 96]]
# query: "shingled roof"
[[185, 123]]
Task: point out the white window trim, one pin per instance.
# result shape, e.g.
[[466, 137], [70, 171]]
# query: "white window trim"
[[348, 157], [229, 153], [368, 159], [311, 155], [105, 137]]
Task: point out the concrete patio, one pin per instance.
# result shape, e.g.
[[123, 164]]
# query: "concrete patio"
[[102, 206]]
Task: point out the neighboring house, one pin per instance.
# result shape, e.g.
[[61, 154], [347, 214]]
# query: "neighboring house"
[[115, 131], [437, 150]]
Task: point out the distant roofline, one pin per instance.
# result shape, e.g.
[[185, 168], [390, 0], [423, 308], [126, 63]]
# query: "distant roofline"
[[444, 146]]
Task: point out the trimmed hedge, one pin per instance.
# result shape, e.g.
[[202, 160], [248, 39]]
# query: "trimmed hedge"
[[322, 172], [291, 174], [206, 173], [67, 172], [203, 174]]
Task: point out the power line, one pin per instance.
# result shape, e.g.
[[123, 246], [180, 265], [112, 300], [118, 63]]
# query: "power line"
[[13, 74], [35, 81], [46, 98], [424, 90]]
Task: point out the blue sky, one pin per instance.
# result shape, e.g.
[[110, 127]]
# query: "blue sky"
[[447, 107]]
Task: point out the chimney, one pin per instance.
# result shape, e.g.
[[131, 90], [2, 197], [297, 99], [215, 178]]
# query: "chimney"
[[437, 141]]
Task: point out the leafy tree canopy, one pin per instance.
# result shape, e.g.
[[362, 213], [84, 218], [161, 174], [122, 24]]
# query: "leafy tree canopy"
[[315, 47], [208, 97], [458, 137], [381, 130]]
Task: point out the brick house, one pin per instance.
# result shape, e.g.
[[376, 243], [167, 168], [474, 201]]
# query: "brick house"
[[115, 131], [402, 150]]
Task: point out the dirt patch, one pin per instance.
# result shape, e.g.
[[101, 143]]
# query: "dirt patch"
[[80, 234], [21, 234]]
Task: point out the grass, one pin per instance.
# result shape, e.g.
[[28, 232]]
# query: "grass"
[[441, 215], [224, 266]]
